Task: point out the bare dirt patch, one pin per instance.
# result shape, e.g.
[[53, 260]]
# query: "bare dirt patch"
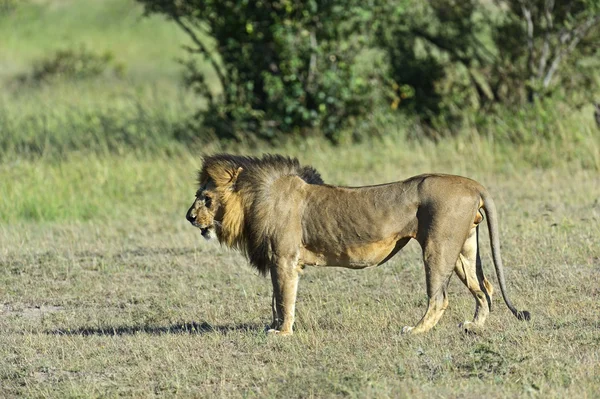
[[28, 311]]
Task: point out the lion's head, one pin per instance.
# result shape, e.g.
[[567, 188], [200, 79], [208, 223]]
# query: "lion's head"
[[233, 191], [208, 209], [202, 212]]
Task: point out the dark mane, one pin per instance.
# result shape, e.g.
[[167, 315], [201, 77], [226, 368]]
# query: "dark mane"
[[270, 166]]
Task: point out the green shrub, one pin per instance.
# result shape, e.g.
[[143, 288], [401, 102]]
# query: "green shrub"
[[467, 57], [282, 66], [71, 64], [7, 6]]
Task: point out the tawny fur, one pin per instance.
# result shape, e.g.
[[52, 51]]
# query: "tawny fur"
[[283, 217]]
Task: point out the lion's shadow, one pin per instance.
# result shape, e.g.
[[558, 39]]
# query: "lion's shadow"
[[191, 328]]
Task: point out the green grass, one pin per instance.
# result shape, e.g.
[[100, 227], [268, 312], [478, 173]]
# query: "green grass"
[[136, 303], [147, 46], [93, 118], [144, 107], [87, 186]]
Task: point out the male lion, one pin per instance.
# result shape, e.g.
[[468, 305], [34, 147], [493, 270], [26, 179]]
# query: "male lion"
[[283, 217]]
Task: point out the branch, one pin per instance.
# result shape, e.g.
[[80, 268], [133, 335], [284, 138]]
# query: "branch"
[[575, 36], [527, 15], [204, 51], [548, 8], [439, 43], [312, 66], [492, 58], [482, 91]]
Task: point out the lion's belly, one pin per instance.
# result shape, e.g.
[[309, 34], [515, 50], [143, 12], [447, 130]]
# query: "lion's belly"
[[355, 256]]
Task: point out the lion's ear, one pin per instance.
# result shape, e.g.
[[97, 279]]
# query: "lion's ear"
[[223, 176], [235, 175]]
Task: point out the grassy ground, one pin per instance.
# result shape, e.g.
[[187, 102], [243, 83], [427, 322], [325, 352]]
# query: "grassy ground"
[[128, 299], [105, 290]]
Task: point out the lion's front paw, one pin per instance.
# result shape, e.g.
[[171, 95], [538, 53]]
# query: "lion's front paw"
[[273, 331], [407, 329]]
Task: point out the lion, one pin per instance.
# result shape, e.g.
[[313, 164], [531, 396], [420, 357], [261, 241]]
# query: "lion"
[[284, 217]]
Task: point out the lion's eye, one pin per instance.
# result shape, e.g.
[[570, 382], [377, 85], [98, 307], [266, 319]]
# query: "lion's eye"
[[207, 201]]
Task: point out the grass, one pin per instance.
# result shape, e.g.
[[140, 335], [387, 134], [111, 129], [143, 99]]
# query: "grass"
[[146, 46], [136, 303], [141, 107], [100, 186], [103, 120], [107, 291]]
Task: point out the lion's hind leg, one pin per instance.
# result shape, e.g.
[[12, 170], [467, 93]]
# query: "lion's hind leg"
[[468, 269], [439, 265]]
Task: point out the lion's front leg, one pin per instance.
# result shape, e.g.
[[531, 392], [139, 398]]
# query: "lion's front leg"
[[277, 318], [284, 276]]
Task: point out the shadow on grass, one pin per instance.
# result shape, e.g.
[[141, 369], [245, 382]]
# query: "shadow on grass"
[[179, 328]]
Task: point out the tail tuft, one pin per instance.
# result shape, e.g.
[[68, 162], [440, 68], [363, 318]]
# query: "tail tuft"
[[523, 315]]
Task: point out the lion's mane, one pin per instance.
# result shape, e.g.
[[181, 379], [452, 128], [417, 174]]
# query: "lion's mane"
[[248, 218]]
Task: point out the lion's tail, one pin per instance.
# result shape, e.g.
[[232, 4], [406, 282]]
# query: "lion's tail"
[[492, 223]]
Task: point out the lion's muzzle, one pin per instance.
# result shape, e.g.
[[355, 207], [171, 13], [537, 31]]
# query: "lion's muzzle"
[[204, 230]]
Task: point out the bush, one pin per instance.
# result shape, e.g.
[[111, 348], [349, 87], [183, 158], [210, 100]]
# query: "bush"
[[71, 64], [282, 66], [460, 58], [7, 6]]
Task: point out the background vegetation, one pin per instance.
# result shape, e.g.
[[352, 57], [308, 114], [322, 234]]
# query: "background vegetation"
[[108, 81], [105, 290], [283, 66]]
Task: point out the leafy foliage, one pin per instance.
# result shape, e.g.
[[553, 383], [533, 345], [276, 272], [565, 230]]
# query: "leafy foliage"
[[285, 66], [7, 6], [282, 66], [457, 57], [555, 36]]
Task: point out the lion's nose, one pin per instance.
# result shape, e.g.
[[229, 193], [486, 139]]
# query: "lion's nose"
[[190, 217]]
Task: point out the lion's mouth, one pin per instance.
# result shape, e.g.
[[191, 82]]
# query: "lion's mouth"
[[205, 232]]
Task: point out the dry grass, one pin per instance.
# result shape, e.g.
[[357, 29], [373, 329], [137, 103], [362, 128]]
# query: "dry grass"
[[138, 304], [106, 291]]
